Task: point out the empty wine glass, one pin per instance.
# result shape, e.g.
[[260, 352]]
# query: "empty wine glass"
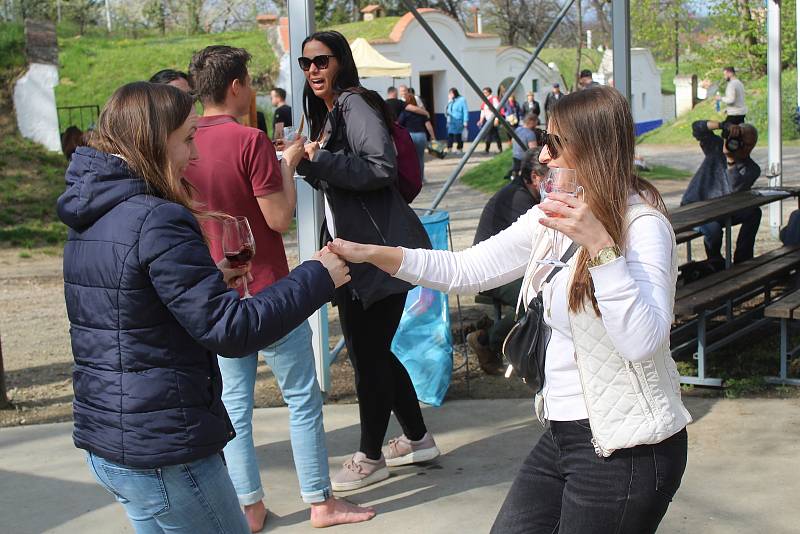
[[238, 245], [558, 180]]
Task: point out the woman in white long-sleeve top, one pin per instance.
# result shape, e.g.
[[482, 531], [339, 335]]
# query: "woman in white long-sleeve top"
[[615, 450]]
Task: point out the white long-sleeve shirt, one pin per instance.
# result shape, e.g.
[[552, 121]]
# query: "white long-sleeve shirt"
[[634, 293], [734, 98]]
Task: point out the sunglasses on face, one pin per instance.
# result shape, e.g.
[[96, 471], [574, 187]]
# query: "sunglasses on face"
[[320, 61], [553, 143]]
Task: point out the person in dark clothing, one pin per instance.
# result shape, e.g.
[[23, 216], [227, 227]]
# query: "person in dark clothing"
[[395, 104], [398, 105], [585, 80], [552, 97], [531, 106], [283, 112], [172, 77], [725, 171], [502, 210], [416, 125], [149, 311], [71, 139], [790, 234], [355, 167]]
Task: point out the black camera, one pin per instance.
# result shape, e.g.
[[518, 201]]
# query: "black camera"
[[732, 143]]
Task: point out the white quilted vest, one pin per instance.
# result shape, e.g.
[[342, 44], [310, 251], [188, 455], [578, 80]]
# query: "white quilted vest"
[[628, 403]]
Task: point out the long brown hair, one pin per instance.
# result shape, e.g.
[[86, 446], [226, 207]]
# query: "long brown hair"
[[595, 126], [135, 124]]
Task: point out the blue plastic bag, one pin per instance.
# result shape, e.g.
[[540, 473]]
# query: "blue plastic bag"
[[423, 342]]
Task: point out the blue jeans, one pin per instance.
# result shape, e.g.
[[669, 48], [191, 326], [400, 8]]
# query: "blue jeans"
[[193, 498], [420, 140], [292, 362], [750, 219]]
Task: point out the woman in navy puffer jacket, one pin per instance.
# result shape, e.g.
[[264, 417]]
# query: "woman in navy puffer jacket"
[[149, 311]]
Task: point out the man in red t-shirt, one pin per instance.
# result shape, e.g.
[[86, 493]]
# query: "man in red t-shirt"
[[238, 174]]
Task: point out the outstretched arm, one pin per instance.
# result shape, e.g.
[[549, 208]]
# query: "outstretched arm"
[[489, 264]]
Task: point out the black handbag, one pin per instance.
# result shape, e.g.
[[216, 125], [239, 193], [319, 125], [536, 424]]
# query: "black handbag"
[[526, 343]]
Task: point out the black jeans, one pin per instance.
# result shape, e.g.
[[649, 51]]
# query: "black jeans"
[[750, 220], [455, 138], [733, 119], [493, 135], [382, 383], [564, 487]]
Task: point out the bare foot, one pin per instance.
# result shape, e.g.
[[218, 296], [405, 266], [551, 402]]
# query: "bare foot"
[[338, 512], [256, 515]]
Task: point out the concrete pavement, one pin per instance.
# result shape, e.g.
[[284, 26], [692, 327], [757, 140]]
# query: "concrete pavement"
[[743, 474]]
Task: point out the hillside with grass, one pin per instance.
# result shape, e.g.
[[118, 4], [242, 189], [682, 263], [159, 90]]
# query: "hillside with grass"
[[679, 131], [92, 67], [370, 30], [566, 61], [31, 178]]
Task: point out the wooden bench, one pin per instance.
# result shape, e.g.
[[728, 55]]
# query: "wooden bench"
[[785, 310], [687, 237], [721, 292]]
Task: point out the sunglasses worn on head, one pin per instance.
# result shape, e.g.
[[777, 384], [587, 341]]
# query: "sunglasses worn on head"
[[321, 61], [553, 143]]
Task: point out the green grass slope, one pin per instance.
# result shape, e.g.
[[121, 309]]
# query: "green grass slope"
[[379, 28], [565, 59], [679, 131], [92, 67]]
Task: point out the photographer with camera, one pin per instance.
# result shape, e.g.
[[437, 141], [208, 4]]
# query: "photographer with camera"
[[727, 168]]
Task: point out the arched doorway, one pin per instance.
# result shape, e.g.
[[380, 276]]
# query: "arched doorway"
[[519, 93]]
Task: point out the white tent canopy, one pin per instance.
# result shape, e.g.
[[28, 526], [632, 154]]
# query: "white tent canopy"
[[371, 64]]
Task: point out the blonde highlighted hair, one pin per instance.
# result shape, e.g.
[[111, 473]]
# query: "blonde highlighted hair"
[[595, 127]]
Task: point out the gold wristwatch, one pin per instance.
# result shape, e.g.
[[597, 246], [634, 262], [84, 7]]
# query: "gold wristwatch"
[[606, 255]]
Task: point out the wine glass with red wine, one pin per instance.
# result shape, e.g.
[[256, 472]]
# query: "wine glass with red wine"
[[238, 244]]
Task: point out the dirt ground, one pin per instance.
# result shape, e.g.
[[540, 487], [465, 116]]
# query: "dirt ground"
[[38, 358]]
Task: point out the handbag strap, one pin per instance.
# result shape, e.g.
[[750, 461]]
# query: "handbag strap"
[[564, 259]]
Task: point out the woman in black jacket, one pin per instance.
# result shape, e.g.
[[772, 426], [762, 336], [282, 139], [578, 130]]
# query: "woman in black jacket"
[[355, 166], [149, 312]]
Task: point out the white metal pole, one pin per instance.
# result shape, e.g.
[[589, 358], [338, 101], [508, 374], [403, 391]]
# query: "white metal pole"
[[775, 156], [310, 205], [797, 28], [621, 42]]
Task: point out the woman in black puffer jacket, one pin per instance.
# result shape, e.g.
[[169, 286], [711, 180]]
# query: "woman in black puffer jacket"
[[149, 312]]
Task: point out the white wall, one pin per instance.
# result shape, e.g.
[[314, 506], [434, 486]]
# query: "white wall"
[[511, 61], [417, 48], [35, 105], [645, 80]]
